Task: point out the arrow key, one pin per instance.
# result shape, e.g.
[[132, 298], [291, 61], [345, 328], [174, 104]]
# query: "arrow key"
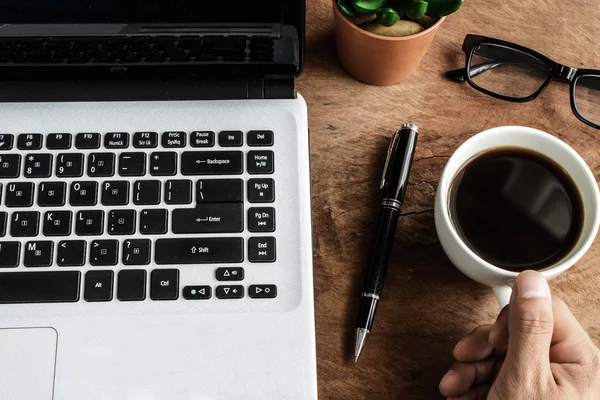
[[230, 274], [262, 291], [71, 253], [230, 292], [197, 292]]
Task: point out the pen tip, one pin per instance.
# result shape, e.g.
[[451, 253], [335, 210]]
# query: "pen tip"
[[359, 342]]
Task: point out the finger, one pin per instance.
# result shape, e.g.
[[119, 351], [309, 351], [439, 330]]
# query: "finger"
[[570, 342], [475, 346], [462, 376], [477, 393], [530, 326], [499, 333]]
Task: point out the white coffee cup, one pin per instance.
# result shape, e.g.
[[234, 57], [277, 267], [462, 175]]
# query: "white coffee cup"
[[515, 136]]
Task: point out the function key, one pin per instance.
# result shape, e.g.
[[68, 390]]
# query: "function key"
[[86, 141], [197, 292], [260, 138], [116, 140], [164, 284], [261, 190], [230, 274], [10, 254], [202, 139], [38, 165], [6, 141], [230, 292], [132, 285], [261, 219], [29, 141], [262, 291], [10, 165], [231, 138], [98, 286], [173, 139], [58, 141], [145, 140], [261, 162]]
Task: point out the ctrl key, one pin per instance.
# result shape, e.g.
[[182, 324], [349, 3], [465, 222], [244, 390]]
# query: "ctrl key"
[[197, 292], [164, 284]]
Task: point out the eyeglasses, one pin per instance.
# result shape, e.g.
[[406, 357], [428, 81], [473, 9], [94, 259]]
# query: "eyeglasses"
[[515, 73]]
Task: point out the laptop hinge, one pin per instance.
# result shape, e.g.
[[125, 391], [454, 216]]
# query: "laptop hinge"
[[272, 88]]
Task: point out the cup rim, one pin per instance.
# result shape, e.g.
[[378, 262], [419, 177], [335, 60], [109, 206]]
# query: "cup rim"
[[583, 243]]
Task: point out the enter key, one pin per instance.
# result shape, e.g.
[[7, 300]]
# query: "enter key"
[[209, 218]]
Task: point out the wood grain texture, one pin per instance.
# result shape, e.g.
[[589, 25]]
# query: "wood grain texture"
[[427, 304]]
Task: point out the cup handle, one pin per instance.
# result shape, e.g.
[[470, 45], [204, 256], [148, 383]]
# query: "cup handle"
[[503, 294]]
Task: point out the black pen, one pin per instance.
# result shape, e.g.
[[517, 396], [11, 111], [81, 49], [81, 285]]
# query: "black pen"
[[395, 178]]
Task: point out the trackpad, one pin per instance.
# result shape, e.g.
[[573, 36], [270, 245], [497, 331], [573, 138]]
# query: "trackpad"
[[28, 357]]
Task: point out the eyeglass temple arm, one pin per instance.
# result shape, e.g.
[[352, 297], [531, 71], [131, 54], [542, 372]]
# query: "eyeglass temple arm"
[[460, 75]]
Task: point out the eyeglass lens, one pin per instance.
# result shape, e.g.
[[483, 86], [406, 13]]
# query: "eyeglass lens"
[[506, 71], [587, 97]]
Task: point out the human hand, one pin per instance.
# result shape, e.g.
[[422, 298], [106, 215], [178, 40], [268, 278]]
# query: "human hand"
[[535, 350]]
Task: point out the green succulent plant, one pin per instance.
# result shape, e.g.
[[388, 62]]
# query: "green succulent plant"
[[390, 11]]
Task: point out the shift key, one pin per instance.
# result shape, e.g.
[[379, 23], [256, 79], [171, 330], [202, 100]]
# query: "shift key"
[[199, 251], [212, 163]]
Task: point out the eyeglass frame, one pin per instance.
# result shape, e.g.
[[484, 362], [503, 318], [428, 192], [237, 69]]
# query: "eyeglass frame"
[[557, 71]]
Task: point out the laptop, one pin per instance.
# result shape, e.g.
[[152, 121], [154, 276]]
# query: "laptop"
[[155, 216]]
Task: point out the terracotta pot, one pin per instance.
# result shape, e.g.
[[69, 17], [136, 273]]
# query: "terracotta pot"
[[375, 59]]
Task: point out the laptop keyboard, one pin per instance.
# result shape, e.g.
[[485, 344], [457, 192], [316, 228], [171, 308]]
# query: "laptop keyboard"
[[102, 200]]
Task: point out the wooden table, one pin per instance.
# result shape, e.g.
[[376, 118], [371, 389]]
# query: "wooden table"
[[427, 305]]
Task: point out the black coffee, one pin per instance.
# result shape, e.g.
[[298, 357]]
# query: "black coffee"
[[516, 209]]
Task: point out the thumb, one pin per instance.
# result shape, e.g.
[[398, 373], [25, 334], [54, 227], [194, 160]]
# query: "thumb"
[[530, 326]]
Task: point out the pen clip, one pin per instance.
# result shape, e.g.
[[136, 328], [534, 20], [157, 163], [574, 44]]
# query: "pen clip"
[[388, 159]]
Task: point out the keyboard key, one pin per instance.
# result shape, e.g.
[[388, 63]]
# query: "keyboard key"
[[163, 163], [220, 191], [164, 284], [87, 141], [98, 286], [69, 165], [38, 253], [10, 254], [261, 190], [39, 287], [131, 285], [10, 165], [262, 291], [136, 252], [6, 141], [153, 221], [230, 292], [132, 164], [104, 252], [145, 140], [29, 141], [197, 292], [173, 139], [261, 219], [231, 138], [52, 194], [19, 194], [178, 191], [83, 194], [101, 164], [230, 274], [3, 222], [71, 253], [146, 192], [58, 141], [116, 140], [261, 162], [212, 163], [261, 249], [89, 223], [202, 139], [209, 218], [24, 223], [121, 222], [187, 250], [260, 138], [115, 193], [38, 166], [57, 223]]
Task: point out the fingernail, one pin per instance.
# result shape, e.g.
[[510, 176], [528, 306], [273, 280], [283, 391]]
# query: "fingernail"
[[531, 285], [448, 375]]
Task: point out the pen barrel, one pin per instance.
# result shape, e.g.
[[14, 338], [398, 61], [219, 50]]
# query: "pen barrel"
[[388, 221]]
